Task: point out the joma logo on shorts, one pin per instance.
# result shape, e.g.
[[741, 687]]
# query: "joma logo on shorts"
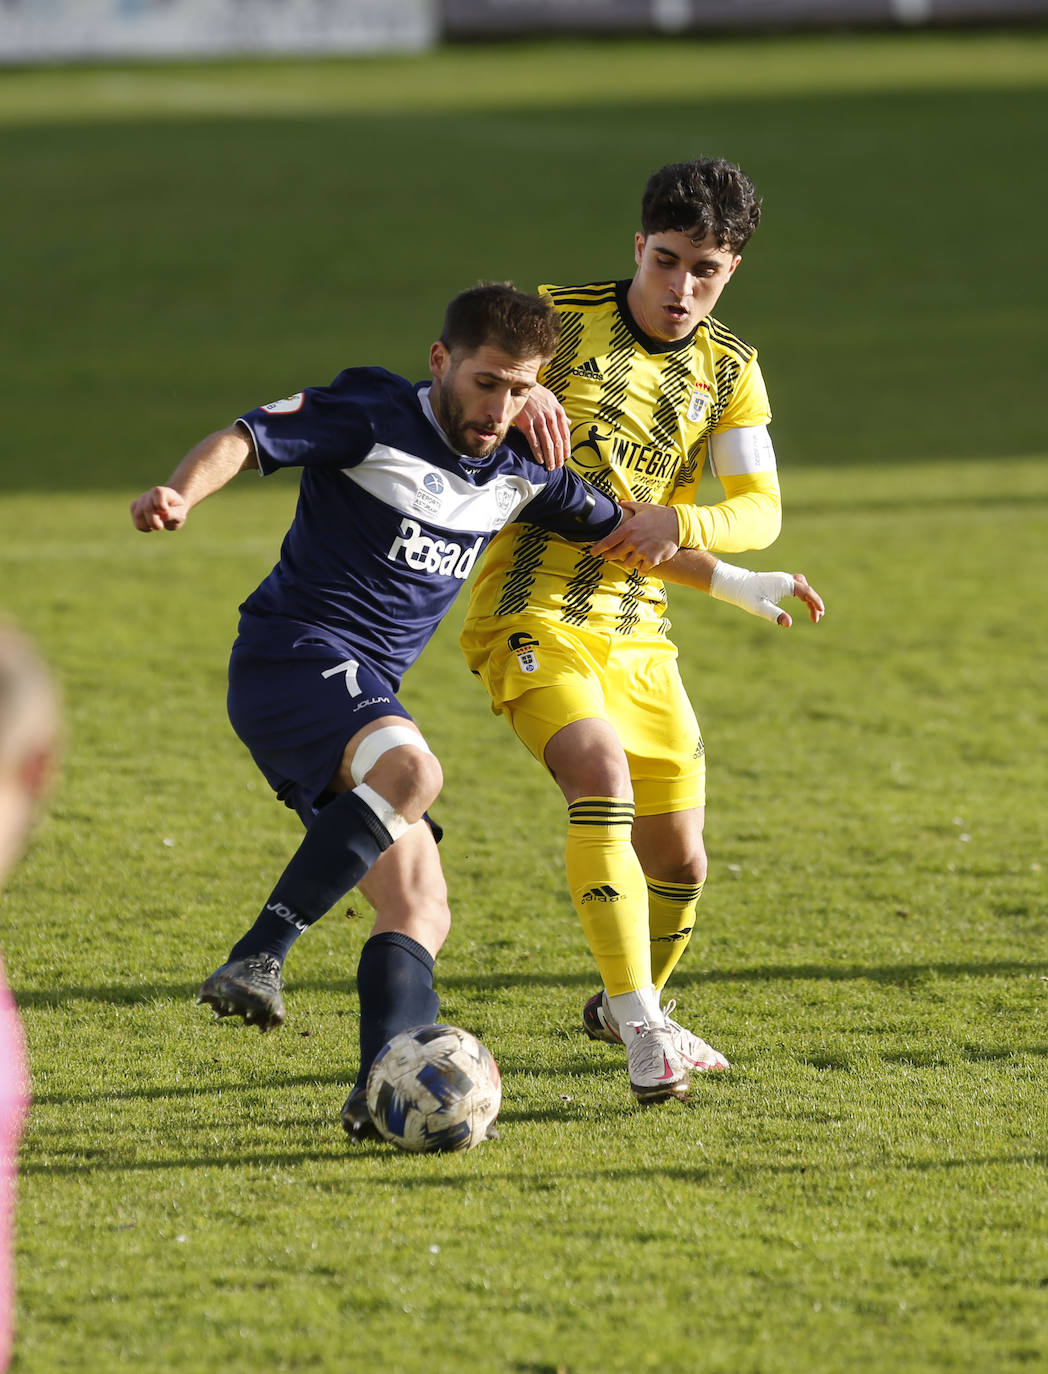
[[426, 554]]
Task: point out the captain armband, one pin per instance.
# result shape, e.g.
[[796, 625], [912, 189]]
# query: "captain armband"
[[741, 451]]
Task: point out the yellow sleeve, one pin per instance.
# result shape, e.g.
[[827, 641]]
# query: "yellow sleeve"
[[750, 517], [749, 403]]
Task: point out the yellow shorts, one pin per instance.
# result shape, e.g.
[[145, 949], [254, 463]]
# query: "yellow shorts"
[[543, 675]]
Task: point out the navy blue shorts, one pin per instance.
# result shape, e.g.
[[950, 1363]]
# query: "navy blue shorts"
[[296, 699]]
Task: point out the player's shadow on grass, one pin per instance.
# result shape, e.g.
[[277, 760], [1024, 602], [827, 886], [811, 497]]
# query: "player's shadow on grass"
[[160, 1092], [900, 975], [339, 1152], [255, 1158], [117, 994]]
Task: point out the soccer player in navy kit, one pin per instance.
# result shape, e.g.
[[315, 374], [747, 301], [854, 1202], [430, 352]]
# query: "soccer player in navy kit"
[[402, 487]]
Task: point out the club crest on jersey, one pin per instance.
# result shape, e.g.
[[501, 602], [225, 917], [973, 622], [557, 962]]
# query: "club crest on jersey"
[[287, 406], [523, 646], [698, 405], [426, 554]]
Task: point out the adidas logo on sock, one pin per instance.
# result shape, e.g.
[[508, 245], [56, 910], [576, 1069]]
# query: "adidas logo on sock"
[[589, 370], [601, 894]]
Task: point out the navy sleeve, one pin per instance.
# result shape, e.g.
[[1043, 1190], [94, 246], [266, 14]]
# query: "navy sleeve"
[[323, 425], [570, 506]]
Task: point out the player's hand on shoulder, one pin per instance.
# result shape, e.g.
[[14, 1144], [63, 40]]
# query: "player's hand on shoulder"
[[646, 536], [161, 508], [544, 424]]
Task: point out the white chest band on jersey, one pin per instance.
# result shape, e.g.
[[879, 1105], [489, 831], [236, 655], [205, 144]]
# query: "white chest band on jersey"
[[738, 452], [373, 746]]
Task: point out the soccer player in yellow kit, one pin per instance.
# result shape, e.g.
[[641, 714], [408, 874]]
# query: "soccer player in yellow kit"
[[574, 649]]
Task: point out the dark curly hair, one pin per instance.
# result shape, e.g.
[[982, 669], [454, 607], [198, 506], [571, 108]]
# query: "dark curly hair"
[[708, 196]]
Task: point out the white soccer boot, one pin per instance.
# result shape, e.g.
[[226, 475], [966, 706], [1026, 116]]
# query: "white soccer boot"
[[656, 1069], [698, 1056], [599, 1024]]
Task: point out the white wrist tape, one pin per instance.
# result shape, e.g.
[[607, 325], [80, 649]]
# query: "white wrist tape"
[[372, 747], [756, 592]]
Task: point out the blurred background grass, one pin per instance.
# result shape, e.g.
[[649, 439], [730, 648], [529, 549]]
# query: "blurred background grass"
[[185, 242]]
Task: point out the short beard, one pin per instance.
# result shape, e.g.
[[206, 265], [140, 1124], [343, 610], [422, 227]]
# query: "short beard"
[[452, 420]]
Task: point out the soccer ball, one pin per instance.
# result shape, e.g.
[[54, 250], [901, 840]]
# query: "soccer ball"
[[434, 1088]]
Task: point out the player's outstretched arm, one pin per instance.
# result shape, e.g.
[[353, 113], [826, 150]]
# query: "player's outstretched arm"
[[756, 592], [205, 469]]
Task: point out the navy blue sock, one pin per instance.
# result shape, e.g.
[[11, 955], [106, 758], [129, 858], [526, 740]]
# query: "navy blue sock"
[[339, 847], [395, 987]]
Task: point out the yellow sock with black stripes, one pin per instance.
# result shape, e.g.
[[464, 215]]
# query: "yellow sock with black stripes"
[[608, 888], [671, 918]]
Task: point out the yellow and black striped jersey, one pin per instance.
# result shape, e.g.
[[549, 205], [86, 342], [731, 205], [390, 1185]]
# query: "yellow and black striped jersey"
[[641, 414]]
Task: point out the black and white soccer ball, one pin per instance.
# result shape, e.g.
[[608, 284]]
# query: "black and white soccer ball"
[[434, 1088]]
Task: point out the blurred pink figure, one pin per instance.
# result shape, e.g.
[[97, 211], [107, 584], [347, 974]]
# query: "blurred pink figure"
[[28, 746], [14, 1099]]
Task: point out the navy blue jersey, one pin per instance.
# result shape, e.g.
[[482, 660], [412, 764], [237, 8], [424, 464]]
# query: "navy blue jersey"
[[390, 519]]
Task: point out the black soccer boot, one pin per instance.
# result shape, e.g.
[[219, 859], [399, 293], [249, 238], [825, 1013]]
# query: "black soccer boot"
[[356, 1119], [248, 987]]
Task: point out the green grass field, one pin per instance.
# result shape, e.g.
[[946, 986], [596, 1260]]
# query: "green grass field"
[[867, 1190]]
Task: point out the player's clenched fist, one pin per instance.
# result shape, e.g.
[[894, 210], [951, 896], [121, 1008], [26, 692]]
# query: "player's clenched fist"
[[163, 508]]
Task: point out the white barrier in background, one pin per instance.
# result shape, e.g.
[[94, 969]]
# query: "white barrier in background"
[[75, 30], [492, 18], [70, 30]]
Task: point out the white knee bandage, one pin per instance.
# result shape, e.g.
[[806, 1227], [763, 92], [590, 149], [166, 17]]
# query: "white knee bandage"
[[374, 746], [387, 814]]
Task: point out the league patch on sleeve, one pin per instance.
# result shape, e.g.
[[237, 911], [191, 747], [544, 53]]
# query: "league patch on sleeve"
[[287, 406]]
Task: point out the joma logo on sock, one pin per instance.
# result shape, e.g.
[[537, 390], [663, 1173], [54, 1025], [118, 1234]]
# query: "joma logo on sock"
[[602, 894], [286, 914]]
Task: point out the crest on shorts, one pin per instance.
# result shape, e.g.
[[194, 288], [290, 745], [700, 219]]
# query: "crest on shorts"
[[524, 646]]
